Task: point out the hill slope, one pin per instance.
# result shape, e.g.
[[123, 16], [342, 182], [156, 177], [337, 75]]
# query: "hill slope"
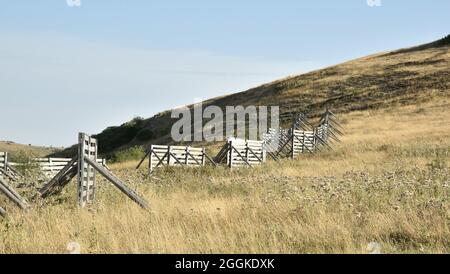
[[34, 151], [383, 80]]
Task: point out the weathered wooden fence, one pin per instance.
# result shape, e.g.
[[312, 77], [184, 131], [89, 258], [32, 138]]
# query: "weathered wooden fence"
[[242, 153], [3, 163], [6, 169], [85, 167], [12, 195], [162, 155], [176, 156], [303, 137], [3, 160], [51, 166], [303, 142]]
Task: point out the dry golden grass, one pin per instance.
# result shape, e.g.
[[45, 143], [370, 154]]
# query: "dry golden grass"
[[29, 150], [388, 182]]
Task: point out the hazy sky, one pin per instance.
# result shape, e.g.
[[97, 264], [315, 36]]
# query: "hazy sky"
[[68, 69]]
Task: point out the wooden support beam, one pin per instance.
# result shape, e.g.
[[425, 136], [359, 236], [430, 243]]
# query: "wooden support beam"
[[302, 143], [13, 195], [254, 154], [6, 173], [240, 155], [118, 183], [159, 163], [143, 159], [60, 180], [192, 157], [222, 154], [210, 159]]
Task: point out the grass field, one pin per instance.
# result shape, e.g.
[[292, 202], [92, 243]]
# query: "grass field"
[[387, 182], [19, 150]]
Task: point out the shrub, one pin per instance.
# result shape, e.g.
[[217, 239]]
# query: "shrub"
[[145, 135]]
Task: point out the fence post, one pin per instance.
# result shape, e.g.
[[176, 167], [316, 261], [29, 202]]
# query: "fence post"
[[169, 156], [204, 157], [230, 154], [150, 162], [5, 162], [87, 147], [186, 157], [293, 143], [247, 150]]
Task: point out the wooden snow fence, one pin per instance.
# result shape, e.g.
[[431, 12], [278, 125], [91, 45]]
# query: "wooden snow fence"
[[7, 171], [303, 137], [85, 166], [303, 142], [13, 196], [162, 155], [242, 153], [3, 163], [51, 166]]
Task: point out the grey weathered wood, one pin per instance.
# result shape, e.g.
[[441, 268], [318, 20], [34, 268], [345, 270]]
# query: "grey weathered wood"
[[13, 195], [210, 160], [143, 159], [160, 155], [159, 163], [239, 152], [87, 148], [49, 166], [60, 180], [118, 183], [7, 174], [2, 212], [240, 155]]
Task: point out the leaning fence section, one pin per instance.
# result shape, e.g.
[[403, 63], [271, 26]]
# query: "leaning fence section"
[[86, 167], [7, 171], [242, 153], [303, 137], [3, 162], [52, 166], [303, 142]]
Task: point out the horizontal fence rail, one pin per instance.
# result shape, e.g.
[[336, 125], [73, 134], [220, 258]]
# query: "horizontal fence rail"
[[85, 167], [242, 153], [303, 137], [6, 169], [52, 166], [161, 155]]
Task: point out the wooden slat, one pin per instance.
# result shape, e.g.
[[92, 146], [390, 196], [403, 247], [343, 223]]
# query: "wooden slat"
[[118, 183], [87, 148], [12, 195], [59, 181]]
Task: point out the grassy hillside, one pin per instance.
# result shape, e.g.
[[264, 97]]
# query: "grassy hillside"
[[29, 150], [406, 76], [388, 182]]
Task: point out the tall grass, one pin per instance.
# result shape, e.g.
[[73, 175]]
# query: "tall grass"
[[388, 182]]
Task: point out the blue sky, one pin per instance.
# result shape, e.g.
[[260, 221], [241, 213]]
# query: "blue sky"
[[69, 69]]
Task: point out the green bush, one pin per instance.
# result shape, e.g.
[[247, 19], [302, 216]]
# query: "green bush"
[[145, 135], [114, 137]]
